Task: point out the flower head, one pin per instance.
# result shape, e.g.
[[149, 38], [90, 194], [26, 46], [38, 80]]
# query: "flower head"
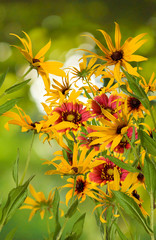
[[43, 68], [39, 203], [119, 55]]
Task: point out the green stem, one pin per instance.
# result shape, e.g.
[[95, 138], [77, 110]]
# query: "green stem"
[[73, 190], [2, 95], [48, 227], [28, 159], [105, 232], [61, 231], [124, 219], [133, 148], [152, 215], [89, 86]]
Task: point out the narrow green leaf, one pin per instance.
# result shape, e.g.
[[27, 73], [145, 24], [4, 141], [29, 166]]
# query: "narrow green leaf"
[[121, 235], [87, 94], [147, 142], [121, 164], [15, 199], [150, 174], [10, 235], [131, 208], [124, 89], [16, 87], [15, 169], [78, 227], [8, 105], [56, 202], [72, 209], [2, 78]]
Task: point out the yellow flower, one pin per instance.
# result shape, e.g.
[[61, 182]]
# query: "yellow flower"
[[111, 132], [22, 120], [83, 188], [39, 203], [119, 55], [43, 68], [150, 86], [77, 164]]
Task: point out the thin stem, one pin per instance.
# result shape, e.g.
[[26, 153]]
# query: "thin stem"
[[89, 86], [152, 215], [48, 227], [28, 159], [60, 233], [73, 190], [133, 148], [124, 219]]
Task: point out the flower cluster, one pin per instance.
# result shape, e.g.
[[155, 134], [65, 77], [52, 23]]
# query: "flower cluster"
[[102, 137]]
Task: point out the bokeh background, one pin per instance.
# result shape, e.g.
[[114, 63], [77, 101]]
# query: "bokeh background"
[[64, 22]]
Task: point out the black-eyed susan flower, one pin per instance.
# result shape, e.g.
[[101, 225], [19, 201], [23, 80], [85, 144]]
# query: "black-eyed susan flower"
[[119, 55], [37, 62], [111, 132], [82, 189], [39, 203], [149, 86], [80, 162], [23, 120]]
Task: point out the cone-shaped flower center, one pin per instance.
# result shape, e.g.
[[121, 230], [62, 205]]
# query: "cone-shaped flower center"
[[107, 172], [80, 185], [134, 103], [117, 55], [71, 116], [35, 60]]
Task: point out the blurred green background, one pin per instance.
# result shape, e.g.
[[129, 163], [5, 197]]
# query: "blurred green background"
[[62, 21]]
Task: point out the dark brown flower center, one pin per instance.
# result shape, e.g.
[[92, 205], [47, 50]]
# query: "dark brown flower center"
[[134, 103], [140, 177], [35, 60], [80, 185], [71, 116], [135, 194], [118, 130], [117, 55], [75, 169]]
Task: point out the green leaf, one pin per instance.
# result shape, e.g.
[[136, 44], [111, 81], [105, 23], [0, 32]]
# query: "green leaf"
[[72, 209], [15, 199], [124, 89], [16, 87], [15, 169], [147, 142], [2, 78], [121, 164], [56, 202], [131, 208], [10, 235], [87, 94], [8, 105], [77, 229], [150, 174], [121, 235]]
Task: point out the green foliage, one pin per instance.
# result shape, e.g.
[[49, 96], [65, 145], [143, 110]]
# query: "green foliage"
[[77, 228], [147, 142], [150, 174], [16, 87], [15, 169], [11, 234], [15, 199], [8, 105], [131, 208], [2, 78], [56, 202], [120, 233], [121, 164], [72, 209]]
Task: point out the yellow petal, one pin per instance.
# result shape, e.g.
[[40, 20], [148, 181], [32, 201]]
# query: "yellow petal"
[[117, 36], [43, 51]]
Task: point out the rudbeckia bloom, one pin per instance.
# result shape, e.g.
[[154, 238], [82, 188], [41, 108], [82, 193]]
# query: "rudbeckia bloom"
[[78, 163], [104, 173], [150, 86], [111, 133], [39, 203], [22, 120], [119, 55], [43, 68], [83, 188]]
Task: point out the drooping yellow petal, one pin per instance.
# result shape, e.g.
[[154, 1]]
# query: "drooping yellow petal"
[[43, 50]]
